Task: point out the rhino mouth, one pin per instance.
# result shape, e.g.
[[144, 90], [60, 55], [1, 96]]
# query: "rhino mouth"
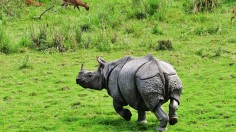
[[78, 81], [81, 83]]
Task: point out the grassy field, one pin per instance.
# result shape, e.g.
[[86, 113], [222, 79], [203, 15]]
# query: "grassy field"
[[40, 59]]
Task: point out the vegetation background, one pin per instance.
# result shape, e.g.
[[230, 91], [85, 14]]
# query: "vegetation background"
[[40, 59]]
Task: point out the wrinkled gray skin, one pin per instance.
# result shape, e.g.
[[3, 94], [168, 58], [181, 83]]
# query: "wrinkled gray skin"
[[142, 83]]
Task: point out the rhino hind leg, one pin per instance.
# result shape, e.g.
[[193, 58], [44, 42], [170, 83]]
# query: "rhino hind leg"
[[125, 113], [175, 87], [173, 107], [162, 117], [141, 117]]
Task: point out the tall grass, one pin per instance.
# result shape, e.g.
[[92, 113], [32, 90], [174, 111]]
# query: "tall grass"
[[119, 25], [100, 30], [195, 6], [44, 38], [5, 44], [146, 8], [11, 8]]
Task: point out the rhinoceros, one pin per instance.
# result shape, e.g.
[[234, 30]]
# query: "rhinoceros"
[[144, 83]]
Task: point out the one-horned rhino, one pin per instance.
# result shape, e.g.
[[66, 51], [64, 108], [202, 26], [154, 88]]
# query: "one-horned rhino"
[[143, 83]]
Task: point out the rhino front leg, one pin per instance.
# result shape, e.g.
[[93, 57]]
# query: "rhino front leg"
[[173, 107], [162, 117], [125, 113], [141, 117]]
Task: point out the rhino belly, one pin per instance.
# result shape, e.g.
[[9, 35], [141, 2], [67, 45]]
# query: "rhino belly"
[[126, 82]]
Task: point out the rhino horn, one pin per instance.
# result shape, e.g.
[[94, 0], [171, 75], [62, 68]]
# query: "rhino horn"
[[82, 67]]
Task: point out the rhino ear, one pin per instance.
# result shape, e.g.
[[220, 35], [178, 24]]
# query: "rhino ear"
[[101, 62]]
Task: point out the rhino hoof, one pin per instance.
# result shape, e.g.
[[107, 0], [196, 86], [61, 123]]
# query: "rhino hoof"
[[173, 120], [127, 115], [160, 129], [143, 122]]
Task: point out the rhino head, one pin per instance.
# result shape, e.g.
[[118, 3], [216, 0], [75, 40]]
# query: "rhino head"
[[92, 79]]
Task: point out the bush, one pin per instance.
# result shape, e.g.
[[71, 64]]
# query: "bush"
[[143, 9], [164, 45], [58, 42], [57, 39], [11, 8], [157, 30], [5, 46], [104, 45], [39, 40], [25, 63], [85, 27], [196, 6], [207, 30]]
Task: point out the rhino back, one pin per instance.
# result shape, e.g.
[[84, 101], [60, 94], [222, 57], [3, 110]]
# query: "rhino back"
[[112, 65], [148, 70], [166, 68], [126, 81]]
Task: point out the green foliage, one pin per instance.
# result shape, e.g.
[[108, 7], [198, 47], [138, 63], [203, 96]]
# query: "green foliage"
[[218, 52], [104, 46], [5, 45], [145, 8], [164, 45], [25, 63], [11, 8], [195, 6], [232, 39], [157, 30], [84, 28], [58, 42], [46, 38], [44, 1], [39, 39], [207, 30], [25, 42]]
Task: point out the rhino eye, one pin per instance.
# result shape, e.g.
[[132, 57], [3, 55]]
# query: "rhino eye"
[[90, 74]]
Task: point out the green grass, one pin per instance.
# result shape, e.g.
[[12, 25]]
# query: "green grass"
[[38, 90]]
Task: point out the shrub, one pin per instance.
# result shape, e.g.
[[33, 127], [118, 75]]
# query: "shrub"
[[164, 45], [218, 52], [58, 42], [25, 63], [232, 39], [199, 52], [24, 42], [153, 6], [11, 8], [103, 43], [85, 27], [207, 30], [5, 46], [78, 34], [57, 39], [39, 40], [104, 46], [86, 42], [196, 6], [143, 9], [157, 30]]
